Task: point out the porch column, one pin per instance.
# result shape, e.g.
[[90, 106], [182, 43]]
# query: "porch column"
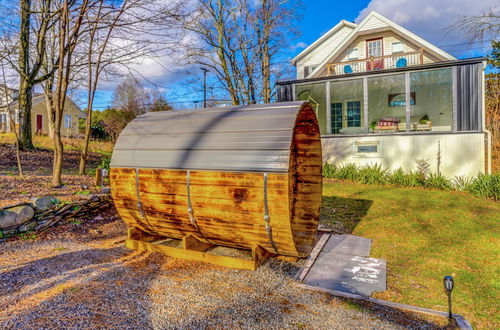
[[454, 100], [365, 104], [328, 109], [408, 101]]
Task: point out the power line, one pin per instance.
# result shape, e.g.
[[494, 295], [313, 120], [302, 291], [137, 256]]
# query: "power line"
[[466, 43]]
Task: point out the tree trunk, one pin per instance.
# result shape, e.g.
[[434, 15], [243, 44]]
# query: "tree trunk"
[[266, 61], [85, 148], [58, 159], [24, 115], [49, 100], [25, 87]]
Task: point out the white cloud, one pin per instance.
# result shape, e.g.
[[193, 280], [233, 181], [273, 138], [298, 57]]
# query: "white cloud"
[[298, 45], [431, 20]]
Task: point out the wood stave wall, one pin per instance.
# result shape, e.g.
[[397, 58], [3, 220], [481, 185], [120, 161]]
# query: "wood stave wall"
[[229, 206]]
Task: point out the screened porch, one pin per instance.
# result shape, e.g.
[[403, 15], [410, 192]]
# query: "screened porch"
[[443, 97]]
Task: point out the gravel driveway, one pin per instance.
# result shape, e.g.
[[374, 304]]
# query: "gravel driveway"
[[79, 275]]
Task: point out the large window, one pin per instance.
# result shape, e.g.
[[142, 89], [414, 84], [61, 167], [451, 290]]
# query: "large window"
[[387, 104], [346, 106], [316, 95], [429, 97], [433, 109]]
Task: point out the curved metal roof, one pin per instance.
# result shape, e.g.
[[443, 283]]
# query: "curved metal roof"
[[246, 138]]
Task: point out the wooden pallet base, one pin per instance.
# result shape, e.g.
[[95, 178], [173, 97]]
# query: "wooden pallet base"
[[193, 249]]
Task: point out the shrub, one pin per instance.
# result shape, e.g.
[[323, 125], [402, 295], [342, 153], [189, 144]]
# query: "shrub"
[[487, 186], [438, 181], [347, 172], [423, 170], [400, 178], [462, 183], [105, 163], [329, 170], [373, 174]]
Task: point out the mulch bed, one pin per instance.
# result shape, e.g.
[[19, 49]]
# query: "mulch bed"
[[40, 160], [37, 167]]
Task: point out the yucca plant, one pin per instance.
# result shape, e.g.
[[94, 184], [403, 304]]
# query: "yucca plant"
[[462, 183], [347, 172], [400, 178], [373, 174], [438, 181], [487, 186], [329, 170]]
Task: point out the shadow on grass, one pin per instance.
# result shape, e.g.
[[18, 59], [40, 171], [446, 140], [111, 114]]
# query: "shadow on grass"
[[343, 214]]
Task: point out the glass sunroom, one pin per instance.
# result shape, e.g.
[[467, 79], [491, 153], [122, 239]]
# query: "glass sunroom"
[[440, 97]]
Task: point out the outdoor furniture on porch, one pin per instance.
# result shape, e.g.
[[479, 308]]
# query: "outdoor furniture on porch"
[[387, 125], [422, 127]]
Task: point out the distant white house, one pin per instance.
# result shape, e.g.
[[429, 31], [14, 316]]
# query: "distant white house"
[[385, 95]]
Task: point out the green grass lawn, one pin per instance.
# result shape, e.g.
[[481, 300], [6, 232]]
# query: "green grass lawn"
[[425, 235]]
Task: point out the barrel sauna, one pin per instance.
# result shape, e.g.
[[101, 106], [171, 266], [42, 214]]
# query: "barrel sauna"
[[238, 177]]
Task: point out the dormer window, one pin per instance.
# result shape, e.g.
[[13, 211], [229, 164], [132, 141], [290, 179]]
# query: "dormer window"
[[352, 54], [397, 47], [309, 69]]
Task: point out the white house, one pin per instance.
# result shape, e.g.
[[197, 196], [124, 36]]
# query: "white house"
[[385, 95]]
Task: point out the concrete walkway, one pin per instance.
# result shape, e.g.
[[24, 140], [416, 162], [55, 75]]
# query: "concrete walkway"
[[343, 264]]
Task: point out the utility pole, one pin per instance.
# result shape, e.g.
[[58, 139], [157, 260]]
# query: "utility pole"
[[205, 86]]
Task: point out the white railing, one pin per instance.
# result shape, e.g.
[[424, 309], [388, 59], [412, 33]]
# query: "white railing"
[[377, 63]]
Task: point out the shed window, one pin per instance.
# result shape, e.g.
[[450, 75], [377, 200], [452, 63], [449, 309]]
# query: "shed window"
[[68, 121], [397, 47], [353, 54], [367, 148], [309, 70]]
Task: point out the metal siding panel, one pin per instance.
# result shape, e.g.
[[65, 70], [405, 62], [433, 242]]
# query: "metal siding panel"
[[468, 97], [237, 160], [250, 138]]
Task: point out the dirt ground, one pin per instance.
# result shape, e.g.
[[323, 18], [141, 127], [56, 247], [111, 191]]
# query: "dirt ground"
[[40, 161], [37, 167], [79, 275]]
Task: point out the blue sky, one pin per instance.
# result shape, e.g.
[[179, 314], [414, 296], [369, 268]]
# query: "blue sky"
[[429, 19]]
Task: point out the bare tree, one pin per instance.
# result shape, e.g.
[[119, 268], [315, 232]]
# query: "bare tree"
[[145, 26], [240, 41], [481, 26], [30, 63], [130, 96], [12, 122], [69, 33], [97, 48]]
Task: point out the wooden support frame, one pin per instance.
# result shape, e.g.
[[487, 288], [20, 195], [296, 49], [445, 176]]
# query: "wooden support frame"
[[193, 249]]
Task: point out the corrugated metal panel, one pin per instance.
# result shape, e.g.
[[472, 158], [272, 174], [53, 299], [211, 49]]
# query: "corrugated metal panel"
[[469, 97], [248, 138]]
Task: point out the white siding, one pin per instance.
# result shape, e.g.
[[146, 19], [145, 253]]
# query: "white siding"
[[373, 23], [461, 154], [324, 50]]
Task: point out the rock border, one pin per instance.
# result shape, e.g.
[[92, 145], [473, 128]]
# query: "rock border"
[[48, 211]]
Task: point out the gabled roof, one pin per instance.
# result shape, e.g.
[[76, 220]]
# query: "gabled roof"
[[323, 38], [376, 22]]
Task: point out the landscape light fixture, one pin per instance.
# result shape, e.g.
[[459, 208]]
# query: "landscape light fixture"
[[448, 287]]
